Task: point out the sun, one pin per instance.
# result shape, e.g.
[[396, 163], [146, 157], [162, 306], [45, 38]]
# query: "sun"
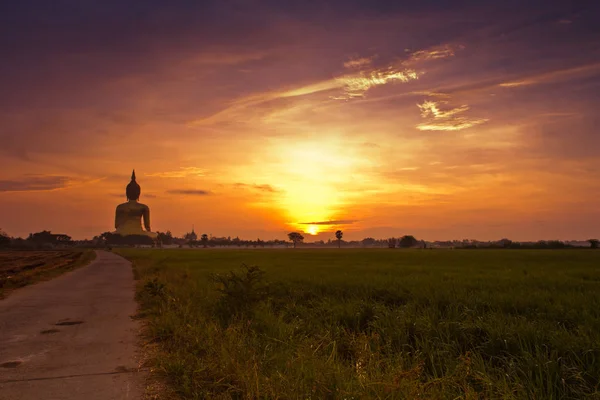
[[312, 230]]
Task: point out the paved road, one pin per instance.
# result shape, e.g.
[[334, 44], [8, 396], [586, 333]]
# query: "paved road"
[[72, 337]]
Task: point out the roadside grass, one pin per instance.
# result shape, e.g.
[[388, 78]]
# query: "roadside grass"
[[380, 324], [20, 268]]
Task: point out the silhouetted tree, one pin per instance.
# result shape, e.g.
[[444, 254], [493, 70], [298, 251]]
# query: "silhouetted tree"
[[4, 239], [506, 243], [594, 243], [295, 237], [407, 241], [204, 239], [392, 243], [165, 237], [339, 234], [369, 242], [47, 237]]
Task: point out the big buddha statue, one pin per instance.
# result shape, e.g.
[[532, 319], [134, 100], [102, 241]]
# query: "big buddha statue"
[[129, 216]]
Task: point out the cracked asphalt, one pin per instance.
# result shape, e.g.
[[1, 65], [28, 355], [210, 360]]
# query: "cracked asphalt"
[[73, 337]]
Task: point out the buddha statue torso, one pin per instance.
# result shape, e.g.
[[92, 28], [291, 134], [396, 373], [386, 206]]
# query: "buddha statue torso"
[[129, 216]]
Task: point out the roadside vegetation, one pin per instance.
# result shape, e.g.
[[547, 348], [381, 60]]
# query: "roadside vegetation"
[[20, 268], [380, 324]]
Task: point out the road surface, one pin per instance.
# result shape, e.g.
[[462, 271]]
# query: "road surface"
[[72, 337]]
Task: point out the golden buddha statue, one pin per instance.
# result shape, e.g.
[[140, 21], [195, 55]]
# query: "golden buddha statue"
[[129, 215]]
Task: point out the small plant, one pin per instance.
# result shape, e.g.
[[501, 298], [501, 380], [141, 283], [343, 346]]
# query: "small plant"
[[239, 292], [155, 288]]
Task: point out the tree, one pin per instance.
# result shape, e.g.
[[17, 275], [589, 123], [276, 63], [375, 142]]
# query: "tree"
[[204, 239], [4, 239], [369, 242], [295, 237], [392, 243], [339, 234], [594, 243], [165, 237], [407, 241], [47, 237]]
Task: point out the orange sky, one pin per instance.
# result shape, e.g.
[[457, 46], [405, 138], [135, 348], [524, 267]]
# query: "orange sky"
[[475, 123]]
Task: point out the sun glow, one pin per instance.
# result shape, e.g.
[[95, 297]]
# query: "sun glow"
[[312, 230], [315, 180], [311, 179]]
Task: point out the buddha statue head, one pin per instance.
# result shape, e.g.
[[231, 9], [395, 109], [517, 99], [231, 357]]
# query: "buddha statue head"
[[133, 190]]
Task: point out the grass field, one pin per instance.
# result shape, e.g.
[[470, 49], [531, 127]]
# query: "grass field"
[[19, 268], [380, 324]]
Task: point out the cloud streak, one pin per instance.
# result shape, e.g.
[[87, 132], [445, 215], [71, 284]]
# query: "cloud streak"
[[262, 188], [35, 183], [182, 172], [434, 53], [554, 76], [191, 192], [334, 222], [449, 119], [355, 63], [352, 86], [355, 86]]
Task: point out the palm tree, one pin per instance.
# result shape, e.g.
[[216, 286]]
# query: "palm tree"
[[339, 235], [295, 237], [204, 239]]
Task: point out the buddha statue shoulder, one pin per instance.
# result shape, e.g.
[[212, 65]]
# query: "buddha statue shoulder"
[[130, 215]]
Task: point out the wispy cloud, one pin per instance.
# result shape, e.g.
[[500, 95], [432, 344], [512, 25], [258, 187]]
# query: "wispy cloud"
[[433, 53], [191, 192], [362, 77], [409, 168], [355, 63], [553, 76], [439, 119], [262, 188], [356, 85], [334, 222], [182, 172], [516, 83], [31, 183]]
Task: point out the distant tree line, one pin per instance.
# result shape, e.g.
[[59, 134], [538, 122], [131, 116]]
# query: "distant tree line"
[[47, 239], [36, 241]]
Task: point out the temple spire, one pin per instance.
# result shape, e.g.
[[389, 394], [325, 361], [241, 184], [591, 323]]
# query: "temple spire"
[[133, 175]]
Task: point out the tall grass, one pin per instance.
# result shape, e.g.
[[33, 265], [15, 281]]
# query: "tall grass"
[[381, 324]]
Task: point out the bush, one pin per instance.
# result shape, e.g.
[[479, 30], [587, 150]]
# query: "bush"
[[240, 292], [155, 288]]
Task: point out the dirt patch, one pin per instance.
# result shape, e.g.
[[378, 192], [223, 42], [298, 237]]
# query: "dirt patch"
[[11, 364], [49, 331], [20, 268]]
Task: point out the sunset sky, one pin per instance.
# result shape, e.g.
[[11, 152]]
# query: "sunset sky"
[[441, 119]]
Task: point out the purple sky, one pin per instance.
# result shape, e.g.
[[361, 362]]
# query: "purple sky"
[[443, 119]]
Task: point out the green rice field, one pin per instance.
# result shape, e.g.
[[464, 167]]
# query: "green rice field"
[[372, 323]]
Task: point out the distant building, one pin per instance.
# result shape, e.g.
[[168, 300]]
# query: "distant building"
[[191, 236]]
